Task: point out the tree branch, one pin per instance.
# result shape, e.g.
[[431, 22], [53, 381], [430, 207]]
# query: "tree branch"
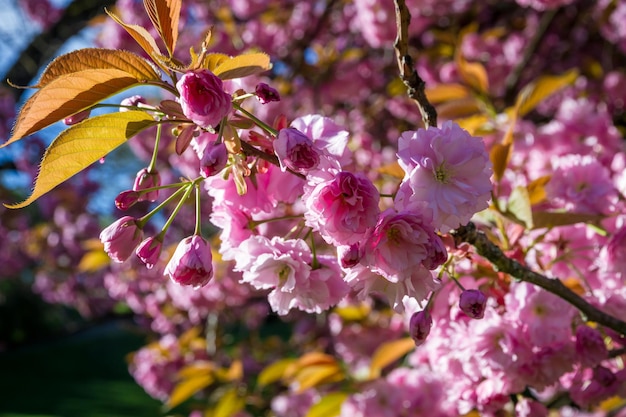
[[494, 254], [411, 79]]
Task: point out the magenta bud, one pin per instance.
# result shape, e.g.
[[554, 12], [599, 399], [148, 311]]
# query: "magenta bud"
[[126, 199], [419, 326], [78, 117], [349, 256], [295, 150], [144, 180], [192, 262], [472, 303], [121, 238], [149, 251], [214, 159], [265, 93]]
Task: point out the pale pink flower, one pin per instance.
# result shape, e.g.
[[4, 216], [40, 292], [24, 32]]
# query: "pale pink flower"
[[192, 262], [326, 135], [349, 255], [590, 347], [295, 151], [146, 179], [581, 184], [447, 172], [343, 209], [202, 98], [401, 244], [121, 238]]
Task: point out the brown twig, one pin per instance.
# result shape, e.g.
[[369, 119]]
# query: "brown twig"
[[411, 79], [494, 254]]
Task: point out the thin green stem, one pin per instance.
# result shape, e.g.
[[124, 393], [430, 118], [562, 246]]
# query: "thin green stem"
[[244, 96], [155, 152], [458, 284], [315, 264], [198, 231], [184, 198], [143, 220], [256, 120]]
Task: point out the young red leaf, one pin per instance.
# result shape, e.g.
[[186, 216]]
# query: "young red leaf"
[[164, 15]]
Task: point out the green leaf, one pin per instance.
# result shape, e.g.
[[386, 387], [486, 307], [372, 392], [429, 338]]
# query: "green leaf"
[[328, 406], [164, 16], [389, 352], [67, 95], [520, 207], [98, 58], [82, 144], [243, 65], [542, 88]]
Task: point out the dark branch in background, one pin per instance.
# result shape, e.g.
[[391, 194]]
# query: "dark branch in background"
[[469, 233], [487, 249], [409, 76], [45, 45], [512, 81]]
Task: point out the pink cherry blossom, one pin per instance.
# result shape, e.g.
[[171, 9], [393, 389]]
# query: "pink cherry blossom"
[[419, 326], [147, 179], [473, 302], [192, 262], [149, 251], [343, 209], [121, 238], [295, 150], [203, 98], [447, 171]]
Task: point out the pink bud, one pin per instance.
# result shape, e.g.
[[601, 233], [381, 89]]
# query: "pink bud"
[[590, 347], [149, 251], [472, 303], [147, 179], [214, 159], [121, 238], [295, 150], [349, 255], [419, 326], [202, 98], [265, 93], [192, 262], [126, 199], [132, 101], [76, 118]]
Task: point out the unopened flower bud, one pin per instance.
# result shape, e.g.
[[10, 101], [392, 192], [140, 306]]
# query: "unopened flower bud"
[[349, 255], [202, 98], [295, 150], [214, 159], [265, 93], [121, 238], [132, 101], [149, 251], [126, 199], [147, 179], [472, 303], [419, 326], [76, 118], [192, 262]]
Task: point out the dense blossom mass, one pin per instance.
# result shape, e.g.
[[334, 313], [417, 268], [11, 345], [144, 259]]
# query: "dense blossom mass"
[[295, 235]]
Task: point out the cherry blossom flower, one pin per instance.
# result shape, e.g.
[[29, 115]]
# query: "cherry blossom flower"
[[203, 98], [447, 172]]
